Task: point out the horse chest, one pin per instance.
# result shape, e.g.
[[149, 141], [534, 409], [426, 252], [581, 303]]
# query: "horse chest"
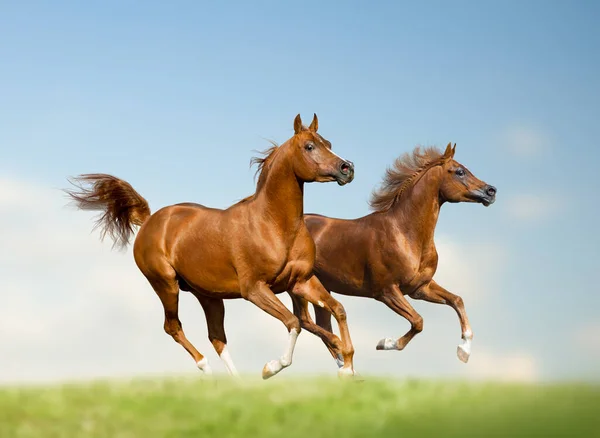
[[421, 267], [298, 264]]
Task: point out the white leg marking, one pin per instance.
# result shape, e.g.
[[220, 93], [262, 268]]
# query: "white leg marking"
[[204, 366], [274, 366], [286, 360], [346, 372], [226, 358], [387, 344], [339, 361], [463, 351]]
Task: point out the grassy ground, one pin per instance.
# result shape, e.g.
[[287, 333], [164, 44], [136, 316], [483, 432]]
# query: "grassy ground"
[[299, 407]]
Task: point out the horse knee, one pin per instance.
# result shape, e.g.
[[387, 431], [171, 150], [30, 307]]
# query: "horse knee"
[[458, 302], [293, 323], [172, 327], [339, 312], [305, 319], [417, 324]]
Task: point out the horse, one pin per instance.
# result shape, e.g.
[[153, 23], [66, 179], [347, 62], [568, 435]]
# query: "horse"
[[255, 249], [391, 252]]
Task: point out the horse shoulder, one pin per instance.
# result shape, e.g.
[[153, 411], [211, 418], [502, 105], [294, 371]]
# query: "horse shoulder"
[[303, 249]]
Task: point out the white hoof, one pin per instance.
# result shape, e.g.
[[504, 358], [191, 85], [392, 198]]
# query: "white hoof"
[[271, 368], [463, 351], [339, 361], [204, 366], [387, 344], [346, 372]]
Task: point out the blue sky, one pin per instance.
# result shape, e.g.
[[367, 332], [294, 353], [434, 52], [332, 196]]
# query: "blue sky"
[[174, 98]]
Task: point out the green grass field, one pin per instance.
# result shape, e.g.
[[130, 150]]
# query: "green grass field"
[[299, 407]]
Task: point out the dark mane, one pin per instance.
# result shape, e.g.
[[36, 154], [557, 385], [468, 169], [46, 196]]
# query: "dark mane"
[[405, 171], [263, 164]]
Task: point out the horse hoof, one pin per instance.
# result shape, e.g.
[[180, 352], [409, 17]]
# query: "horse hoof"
[[270, 369], [463, 352], [386, 344], [346, 373], [339, 361], [204, 366]]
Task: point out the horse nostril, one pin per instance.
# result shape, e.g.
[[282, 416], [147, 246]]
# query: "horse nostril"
[[491, 191], [346, 167]]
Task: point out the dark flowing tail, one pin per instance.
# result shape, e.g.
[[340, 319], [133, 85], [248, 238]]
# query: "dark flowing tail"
[[122, 207]]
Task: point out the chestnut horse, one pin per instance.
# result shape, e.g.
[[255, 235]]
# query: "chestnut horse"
[[391, 252], [254, 249]]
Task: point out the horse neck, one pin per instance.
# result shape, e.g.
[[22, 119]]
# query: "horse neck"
[[418, 211], [281, 198]]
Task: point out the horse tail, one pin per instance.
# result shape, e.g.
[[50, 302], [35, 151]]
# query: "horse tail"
[[121, 207]]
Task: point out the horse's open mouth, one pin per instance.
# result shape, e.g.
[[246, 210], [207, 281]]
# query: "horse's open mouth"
[[482, 198], [344, 179], [343, 182], [486, 201]]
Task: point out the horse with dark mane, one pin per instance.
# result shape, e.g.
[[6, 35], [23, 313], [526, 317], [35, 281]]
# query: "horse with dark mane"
[[391, 252], [254, 249]]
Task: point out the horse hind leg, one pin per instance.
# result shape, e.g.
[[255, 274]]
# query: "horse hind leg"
[[166, 287], [214, 310]]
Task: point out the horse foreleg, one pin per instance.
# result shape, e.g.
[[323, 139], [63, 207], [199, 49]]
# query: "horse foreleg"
[[434, 293], [314, 292], [263, 297], [395, 300], [331, 341], [214, 310], [323, 319]]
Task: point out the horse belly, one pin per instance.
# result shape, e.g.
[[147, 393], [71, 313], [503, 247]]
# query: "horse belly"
[[202, 257]]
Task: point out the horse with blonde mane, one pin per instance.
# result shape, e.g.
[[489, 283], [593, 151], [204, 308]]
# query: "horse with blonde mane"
[[391, 252], [255, 249]]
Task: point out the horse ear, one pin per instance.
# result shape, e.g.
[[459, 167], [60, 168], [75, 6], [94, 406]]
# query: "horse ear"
[[298, 125], [453, 150], [448, 152], [314, 126]]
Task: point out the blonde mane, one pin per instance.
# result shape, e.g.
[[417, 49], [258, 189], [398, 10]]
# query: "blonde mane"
[[404, 173]]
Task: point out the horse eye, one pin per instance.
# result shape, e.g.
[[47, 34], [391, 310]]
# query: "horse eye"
[[460, 172], [309, 147]]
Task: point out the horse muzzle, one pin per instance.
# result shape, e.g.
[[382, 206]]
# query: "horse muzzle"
[[345, 173], [485, 195]]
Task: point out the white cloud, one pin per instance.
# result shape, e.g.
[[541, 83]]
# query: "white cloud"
[[526, 141], [517, 367], [466, 269], [72, 308], [529, 207]]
